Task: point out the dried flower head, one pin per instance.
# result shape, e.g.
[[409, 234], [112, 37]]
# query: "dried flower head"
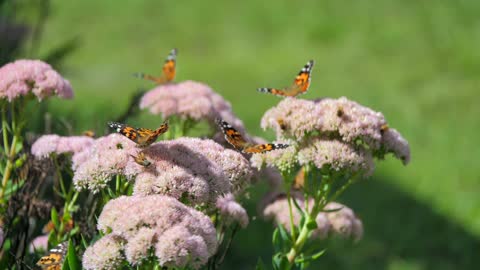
[[182, 235], [48, 144], [105, 254], [231, 210], [24, 76], [192, 169]]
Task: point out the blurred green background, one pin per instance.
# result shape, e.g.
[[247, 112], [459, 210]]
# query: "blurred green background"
[[417, 61]]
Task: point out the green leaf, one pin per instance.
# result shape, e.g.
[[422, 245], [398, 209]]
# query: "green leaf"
[[332, 210], [280, 262], [260, 265], [284, 235], [54, 217], [310, 258], [276, 241], [73, 261]]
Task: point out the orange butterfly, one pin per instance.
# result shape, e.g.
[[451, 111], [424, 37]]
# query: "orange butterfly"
[[54, 259], [142, 136], [234, 138], [168, 70], [300, 84]]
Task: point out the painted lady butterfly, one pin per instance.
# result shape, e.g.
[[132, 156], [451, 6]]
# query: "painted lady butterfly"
[[142, 136], [234, 138], [300, 84], [141, 160], [54, 259], [168, 70]]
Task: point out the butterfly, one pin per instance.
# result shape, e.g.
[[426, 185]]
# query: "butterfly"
[[142, 136], [140, 159], [89, 133], [168, 70], [300, 84], [234, 138], [54, 259]]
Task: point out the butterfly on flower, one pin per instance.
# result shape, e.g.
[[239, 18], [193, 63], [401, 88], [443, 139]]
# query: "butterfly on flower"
[[234, 138], [168, 70], [143, 137], [89, 133], [300, 84], [54, 259], [141, 160]]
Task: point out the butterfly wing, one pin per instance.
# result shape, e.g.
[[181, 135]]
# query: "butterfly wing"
[[168, 70], [152, 135], [300, 84], [54, 259], [262, 148], [127, 131], [232, 136]]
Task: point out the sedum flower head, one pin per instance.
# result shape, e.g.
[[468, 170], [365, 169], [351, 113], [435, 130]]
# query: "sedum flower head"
[[48, 144], [178, 235], [192, 169], [231, 210], [341, 222], [107, 156], [21, 77], [339, 119], [187, 99], [105, 254], [39, 243]]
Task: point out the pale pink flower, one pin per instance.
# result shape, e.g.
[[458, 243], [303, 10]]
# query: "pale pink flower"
[[178, 247], [138, 246], [231, 210], [39, 243], [181, 233], [107, 156], [337, 156], [394, 142], [187, 99], [105, 254], [336, 118], [24, 76], [48, 144], [275, 207], [283, 159], [344, 222], [193, 169]]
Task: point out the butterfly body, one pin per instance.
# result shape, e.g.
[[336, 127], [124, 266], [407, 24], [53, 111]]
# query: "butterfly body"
[[233, 137], [300, 84], [143, 137], [168, 70], [141, 160], [54, 259]]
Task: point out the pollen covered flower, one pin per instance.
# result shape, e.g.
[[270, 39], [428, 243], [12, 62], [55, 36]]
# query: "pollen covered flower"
[[48, 144], [231, 210], [192, 169], [24, 76], [179, 235]]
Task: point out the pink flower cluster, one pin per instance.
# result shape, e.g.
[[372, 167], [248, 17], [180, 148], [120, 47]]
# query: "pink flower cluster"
[[48, 144], [231, 210], [189, 99], [24, 76], [107, 156], [180, 236], [330, 132], [341, 222], [193, 169]]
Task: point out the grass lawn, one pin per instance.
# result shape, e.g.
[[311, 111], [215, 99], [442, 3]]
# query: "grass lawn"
[[416, 61]]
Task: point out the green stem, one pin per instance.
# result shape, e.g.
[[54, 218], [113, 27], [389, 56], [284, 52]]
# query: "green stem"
[[292, 224], [5, 131]]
